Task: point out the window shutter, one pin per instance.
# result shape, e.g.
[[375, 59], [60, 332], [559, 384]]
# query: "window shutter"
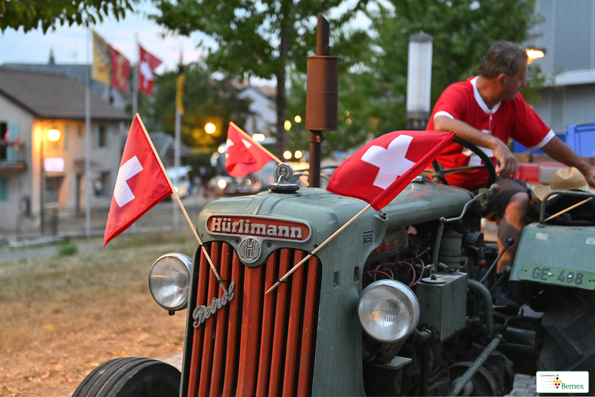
[[96, 140], [12, 155], [3, 189], [110, 135], [65, 137]]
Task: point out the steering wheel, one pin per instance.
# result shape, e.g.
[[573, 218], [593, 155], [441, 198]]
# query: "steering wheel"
[[439, 173]]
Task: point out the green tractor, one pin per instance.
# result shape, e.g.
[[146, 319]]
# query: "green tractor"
[[397, 304]]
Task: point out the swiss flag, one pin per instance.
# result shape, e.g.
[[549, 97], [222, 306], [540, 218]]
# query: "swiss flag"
[[147, 65], [141, 182], [243, 155], [380, 170]]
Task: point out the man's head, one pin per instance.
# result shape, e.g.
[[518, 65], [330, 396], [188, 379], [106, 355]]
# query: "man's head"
[[506, 64]]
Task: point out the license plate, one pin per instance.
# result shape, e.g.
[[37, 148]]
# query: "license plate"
[[557, 276]]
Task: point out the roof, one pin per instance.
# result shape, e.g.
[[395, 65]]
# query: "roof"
[[164, 145], [54, 96]]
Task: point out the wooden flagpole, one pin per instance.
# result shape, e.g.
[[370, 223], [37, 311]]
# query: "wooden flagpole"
[[568, 209], [204, 250], [293, 269], [275, 158]]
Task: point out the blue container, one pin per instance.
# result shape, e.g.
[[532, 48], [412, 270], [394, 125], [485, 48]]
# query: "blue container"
[[518, 148], [581, 139]]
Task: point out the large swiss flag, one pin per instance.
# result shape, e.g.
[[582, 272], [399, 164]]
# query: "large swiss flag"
[[141, 182], [243, 155], [146, 68], [380, 170]]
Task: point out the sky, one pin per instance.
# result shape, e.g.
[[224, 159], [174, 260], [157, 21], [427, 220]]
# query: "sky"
[[70, 44]]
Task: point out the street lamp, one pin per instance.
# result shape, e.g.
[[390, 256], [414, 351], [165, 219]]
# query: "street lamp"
[[534, 53], [53, 135], [210, 128]]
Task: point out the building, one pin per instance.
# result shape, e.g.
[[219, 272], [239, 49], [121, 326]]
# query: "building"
[[38, 176], [118, 98], [568, 36], [263, 113]]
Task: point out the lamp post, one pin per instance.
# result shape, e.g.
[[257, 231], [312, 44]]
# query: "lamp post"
[[53, 135]]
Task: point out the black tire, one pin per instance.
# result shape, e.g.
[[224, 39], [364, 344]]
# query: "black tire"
[[131, 377], [568, 332]]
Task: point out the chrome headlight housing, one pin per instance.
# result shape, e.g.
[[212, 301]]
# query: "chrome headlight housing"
[[169, 281], [388, 310]]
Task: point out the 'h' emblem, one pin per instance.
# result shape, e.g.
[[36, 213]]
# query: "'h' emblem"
[[249, 250]]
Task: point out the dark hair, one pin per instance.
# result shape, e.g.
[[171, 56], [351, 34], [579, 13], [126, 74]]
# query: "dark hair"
[[502, 57]]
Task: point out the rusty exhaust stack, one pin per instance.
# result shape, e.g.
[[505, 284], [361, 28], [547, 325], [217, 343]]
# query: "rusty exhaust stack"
[[322, 97]]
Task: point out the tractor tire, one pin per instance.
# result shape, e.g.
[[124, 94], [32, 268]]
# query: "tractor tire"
[[131, 377], [568, 333]]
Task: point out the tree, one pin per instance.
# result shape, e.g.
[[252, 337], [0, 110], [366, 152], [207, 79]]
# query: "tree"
[[205, 100], [32, 14], [373, 83], [261, 39]]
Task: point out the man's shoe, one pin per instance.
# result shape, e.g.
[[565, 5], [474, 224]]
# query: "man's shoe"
[[503, 299]]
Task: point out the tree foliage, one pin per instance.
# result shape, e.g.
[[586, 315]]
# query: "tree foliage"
[[373, 87], [205, 100], [256, 38], [34, 14]]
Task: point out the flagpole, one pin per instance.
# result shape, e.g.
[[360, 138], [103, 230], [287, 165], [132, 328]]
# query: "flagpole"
[[135, 96], [335, 234], [88, 139], [271, 155], [204, 250], [178, 127]]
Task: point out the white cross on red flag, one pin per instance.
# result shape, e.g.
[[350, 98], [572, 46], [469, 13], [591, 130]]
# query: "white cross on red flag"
[[141, 182], [243, 155], [381, 169], [146, 67]]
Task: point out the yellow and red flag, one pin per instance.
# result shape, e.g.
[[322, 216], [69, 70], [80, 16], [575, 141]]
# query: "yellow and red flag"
[[120, 69], [102, 63]]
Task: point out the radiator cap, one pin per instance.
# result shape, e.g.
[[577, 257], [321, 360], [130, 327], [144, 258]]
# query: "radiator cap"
[[286, 179]]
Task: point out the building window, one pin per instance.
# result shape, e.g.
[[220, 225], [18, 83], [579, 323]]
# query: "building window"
[[3, 189], [101, 184], [53, 184], [101, 138]]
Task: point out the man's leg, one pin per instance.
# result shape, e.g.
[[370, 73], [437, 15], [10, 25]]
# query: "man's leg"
[[511, 226]]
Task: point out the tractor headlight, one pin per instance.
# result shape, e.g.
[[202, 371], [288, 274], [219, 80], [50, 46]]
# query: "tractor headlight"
[[388, 310], [169, 281]]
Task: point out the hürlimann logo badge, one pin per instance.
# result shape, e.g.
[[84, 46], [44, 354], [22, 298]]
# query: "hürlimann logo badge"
[[562, 382]]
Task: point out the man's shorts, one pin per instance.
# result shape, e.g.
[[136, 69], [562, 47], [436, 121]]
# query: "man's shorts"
[[508, 187]]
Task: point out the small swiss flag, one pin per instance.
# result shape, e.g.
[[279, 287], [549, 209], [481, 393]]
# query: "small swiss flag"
[[243, 155], [141, 182], [380, 170], [146, 67]]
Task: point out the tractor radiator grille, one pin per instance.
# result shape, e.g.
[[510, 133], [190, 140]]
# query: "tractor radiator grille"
[[257, 344]]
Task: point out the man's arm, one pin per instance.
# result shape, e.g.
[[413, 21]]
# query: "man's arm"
[[504, 157], [559, 151]]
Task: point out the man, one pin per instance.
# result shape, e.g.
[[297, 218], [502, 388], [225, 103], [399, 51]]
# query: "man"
[[486, 110]]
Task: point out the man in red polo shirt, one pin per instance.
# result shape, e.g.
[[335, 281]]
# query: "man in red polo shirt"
[[486, 110]]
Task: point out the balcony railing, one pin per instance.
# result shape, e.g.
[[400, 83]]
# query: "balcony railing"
[[12, 156]]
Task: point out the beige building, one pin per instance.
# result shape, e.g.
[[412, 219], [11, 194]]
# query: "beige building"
[[31, 105]]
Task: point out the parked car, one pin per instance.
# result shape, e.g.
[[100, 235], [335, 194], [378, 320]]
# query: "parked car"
[[180, 178]]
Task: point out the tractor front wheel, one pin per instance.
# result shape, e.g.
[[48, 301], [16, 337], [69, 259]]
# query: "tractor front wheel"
[[131, 377]]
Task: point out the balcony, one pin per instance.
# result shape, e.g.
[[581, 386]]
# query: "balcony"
[[12, 157]]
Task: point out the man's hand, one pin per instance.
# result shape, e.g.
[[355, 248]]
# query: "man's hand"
[[590, 176], [507, 162]]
